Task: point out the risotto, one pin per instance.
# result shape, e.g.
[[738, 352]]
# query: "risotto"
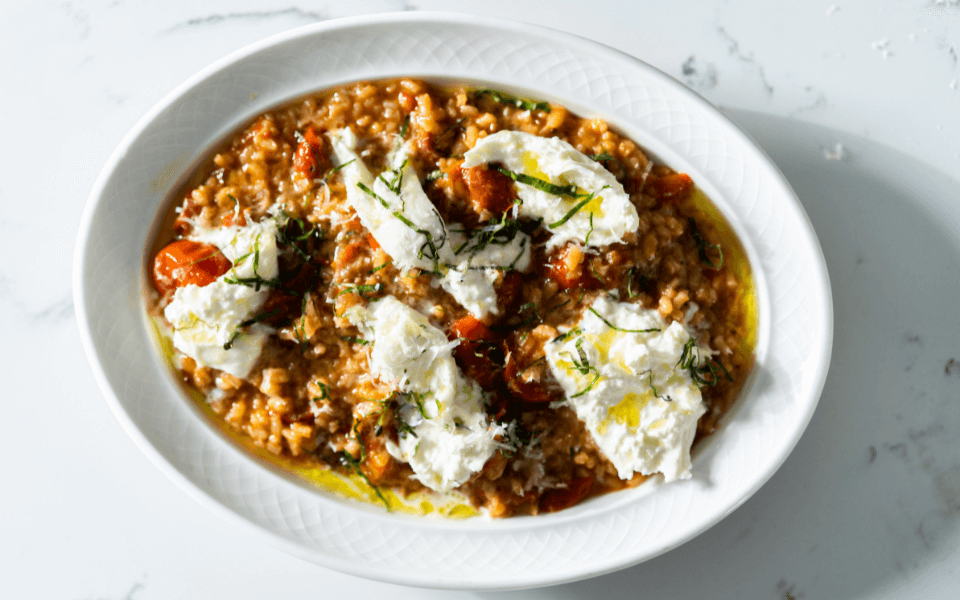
[[424, 293]]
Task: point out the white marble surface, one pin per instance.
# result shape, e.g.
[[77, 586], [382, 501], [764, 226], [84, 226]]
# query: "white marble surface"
[[868, 506]]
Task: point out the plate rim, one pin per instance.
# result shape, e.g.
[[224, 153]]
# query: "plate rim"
[[83, 249]]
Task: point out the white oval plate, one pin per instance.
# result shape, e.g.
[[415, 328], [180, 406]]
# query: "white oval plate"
[[596, 537]]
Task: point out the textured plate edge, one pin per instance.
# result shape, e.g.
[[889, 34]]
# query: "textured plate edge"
[[82, 248]]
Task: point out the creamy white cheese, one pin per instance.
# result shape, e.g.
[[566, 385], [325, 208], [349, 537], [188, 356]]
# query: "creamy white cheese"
[[205, 318], [640, 406], [559, 163], [451, 437], [408, 227]]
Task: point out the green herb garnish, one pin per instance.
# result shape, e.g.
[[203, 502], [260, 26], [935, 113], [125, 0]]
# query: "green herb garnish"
[[355, 340], [395, 185], [498, 233], [569, 191], [256, 319], [435, 175], [612, 326], [430, 244], [605, 157], [629, 277], [337, 168], [565, 336], [324, 392], [360, 290], [355, 464], [356, 436], [699, 366], [518, 102], [584, 368], [577, 208], [293, 240], [702, 247]]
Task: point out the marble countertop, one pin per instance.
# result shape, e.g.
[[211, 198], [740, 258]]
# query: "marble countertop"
[[858, 102]]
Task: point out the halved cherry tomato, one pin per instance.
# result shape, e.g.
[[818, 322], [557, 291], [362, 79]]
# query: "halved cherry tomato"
[[674, 185], [489, 189], [309, 154], [184, 262], [471, 328], [533, 390], [476, 352], [561, 498], [570, 270]]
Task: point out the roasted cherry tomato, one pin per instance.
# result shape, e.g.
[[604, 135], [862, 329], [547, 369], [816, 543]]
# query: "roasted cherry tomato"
[[570, 269], [561, 498], [532, 390], [476, 352], [489, 189], [309, 157], [471, 328], [184, 262], [672, 186]]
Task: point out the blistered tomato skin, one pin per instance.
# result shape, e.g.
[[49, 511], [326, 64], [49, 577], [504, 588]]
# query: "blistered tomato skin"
[[674, 186], [184, 262], [558, 499], [309, 156], [532, 391], [490, 190], [476, 354], [570, 270]]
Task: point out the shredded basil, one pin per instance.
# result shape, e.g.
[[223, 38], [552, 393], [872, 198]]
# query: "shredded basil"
[[435, 175], [518, 102], [430, 244], [498, 233], [395, 185], [256, 282], [355, 464], [530, 366], [565, 336], [373, 194], [586, 240], [584, 368], [612, 326], [605, 157], [356, 435], [629, 277], [293, 240], [700, 367], [377, 268], [360, 290], [702, 247], [577, 208], [603, 283], [324, 392], [569, 191], [355, 340], [337, 168], [534, 317], [405, 127], [256, 319]]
